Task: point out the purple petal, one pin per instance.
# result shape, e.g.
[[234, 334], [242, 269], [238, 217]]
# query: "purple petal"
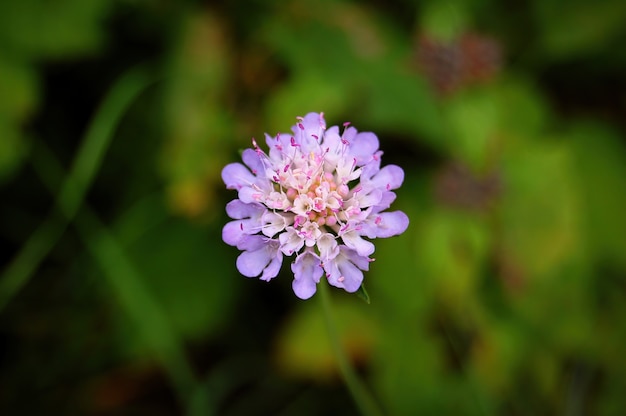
[[290, 241], [332, 141], [343, 273], [273, 268], [307, 273], [371, 198], [273, 223], [236, 176], [252, 263], [236, 209], [253, 161], [361, 262], [385, 201], [363, 146], [309, 131], [248, 221], [259, 255], [386, 224], [353, 277], [278, 145], [251, 243], [249, 195], [327, 246], [388, 178], [353, 240], [233, 232]]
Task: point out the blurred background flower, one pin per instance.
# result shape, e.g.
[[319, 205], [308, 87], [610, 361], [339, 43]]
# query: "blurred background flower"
[[506, 295]]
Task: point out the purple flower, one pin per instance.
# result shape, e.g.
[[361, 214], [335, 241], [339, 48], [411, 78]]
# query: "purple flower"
[[319, 194]]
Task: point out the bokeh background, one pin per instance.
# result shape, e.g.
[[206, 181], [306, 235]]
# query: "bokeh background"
[[506, 295]]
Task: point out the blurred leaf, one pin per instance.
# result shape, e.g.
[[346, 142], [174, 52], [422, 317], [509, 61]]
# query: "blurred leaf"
[[19, 86], [523, 112], [183, 270], [412, 378], [578, 27], [303, 348], [310, 92], [600, 160], [451, 248], [18, 98], [362, 293], [540, 212], [396, 279], [444, 20], [498, 356], [473, 118], [12, 148], [34, 28], [365, 73], [198, 123], [397, 100]]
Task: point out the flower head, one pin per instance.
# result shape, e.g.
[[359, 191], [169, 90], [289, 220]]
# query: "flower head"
[[317, 194]]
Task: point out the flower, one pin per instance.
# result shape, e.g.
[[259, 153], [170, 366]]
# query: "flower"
[[318, 194]]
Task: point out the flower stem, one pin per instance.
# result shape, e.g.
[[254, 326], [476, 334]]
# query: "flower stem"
[[361, 396]]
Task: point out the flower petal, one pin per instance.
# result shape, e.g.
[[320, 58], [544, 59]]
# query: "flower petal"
[[251, 243], [332, 140], [363, 146], [253, 161], [273, 268], [252, 263], [373, 197], [249, 195], [309, 131], [260, 254], [233, 232], [388, 178], [386, 224], [273, 223], [236, 176], [327, 246], [236, 209], [353, 240], [290, 241], [307, 273], [342, 271]]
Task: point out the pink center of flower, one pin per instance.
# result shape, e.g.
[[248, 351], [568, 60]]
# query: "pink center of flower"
[[311, 189]]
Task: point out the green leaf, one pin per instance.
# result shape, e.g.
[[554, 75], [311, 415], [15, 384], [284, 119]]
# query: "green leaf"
[[362, 293]]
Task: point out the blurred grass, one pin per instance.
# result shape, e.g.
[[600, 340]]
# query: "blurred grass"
[[135, 298], [72, 192]]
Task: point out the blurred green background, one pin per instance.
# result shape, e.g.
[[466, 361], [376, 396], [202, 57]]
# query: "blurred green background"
[[506, 295]]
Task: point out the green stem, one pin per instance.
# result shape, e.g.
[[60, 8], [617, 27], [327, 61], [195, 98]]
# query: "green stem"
[[361, 396]]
